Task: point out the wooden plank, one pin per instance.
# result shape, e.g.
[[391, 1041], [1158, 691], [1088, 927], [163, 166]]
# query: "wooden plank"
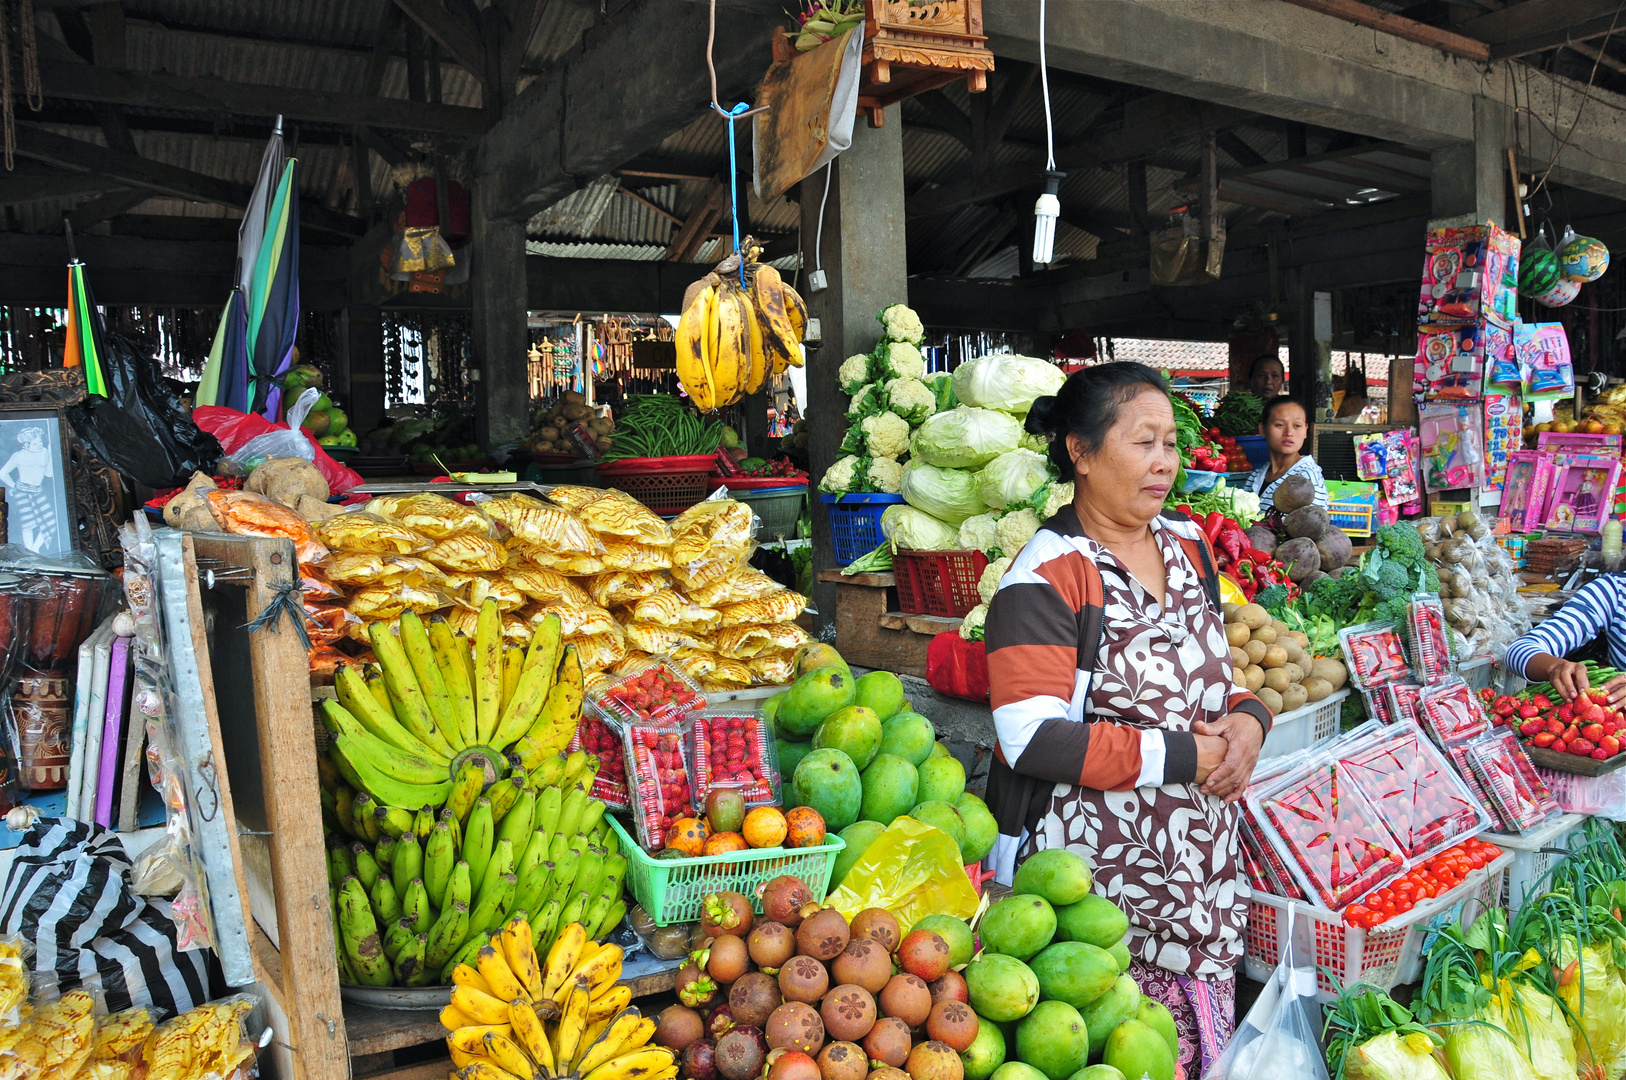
[[1406, 29], [456, 37], [1537, 25], [863, 641], [687, 240], [885, 579], [439, 1069], [932, 625]]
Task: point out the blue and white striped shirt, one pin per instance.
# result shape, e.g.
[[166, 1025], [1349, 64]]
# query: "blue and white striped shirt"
[[1599, 607], [1305, 466]]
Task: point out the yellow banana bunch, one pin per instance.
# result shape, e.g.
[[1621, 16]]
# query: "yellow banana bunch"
[[733, 334], [566, 1019]]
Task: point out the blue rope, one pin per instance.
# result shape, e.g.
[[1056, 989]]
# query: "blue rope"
[[733, 188]]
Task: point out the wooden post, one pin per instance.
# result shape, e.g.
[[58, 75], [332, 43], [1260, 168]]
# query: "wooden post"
[[500, 339], [863, 256], [364, 342]]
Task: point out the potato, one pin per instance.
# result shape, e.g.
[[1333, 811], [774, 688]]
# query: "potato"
[[1294, 697], [1277, 680], [1295, 671], [1280, 627], [1236, 633], [1255, 676], [1254, 651], [1300, 637], [1267, 634], [1228, 611], [1271, 699], [1295, 655], [1240, 657], [1239, 677], [1316, 689], [1331, 672], [1275, 657], [189, 510], [1254, 615]]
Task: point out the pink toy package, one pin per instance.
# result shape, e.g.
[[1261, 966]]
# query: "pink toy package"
[[1453, 359], [1400, 486], [1452, 446], [1583, 492], [1525, 490], [1579, 442], [1543, 352], [1504, 433], [1469, 273]]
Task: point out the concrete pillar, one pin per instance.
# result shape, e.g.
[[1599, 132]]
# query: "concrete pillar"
[[1469, 180], [497, 291], [863, 256], [364, 340]]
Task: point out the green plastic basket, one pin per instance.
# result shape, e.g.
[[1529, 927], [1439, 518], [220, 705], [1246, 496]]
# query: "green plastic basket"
[[671, 889]]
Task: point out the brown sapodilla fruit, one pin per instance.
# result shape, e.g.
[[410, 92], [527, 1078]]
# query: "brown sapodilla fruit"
[[879, 924], [823, 935], [741, 1053], [952, 1022], [783, 898], [771, 944], [843, 1061], [906, 997], [865, 962], [848, 1011], [803, 978], [795, 1026], [729, 959], [677, 1026], [889, 1041], [925, 954], [794, 1065], [752, 999], [951, 987], [934, 1061]]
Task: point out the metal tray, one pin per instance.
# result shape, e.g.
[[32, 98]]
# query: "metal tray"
[[414, 998]]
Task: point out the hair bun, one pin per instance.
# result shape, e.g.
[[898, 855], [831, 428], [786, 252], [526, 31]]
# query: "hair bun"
[[1042, 417]]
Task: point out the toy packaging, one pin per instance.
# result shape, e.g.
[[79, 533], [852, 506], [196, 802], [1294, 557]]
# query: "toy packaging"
[[1579, 442], [1504, 433], [1583, 492], [1543, 352], [1453, 360], [1469, 273], [1526, 490], [1452, 451]]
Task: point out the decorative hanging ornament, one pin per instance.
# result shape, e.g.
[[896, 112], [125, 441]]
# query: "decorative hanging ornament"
[[1584, 259], [1556, 297], [564, 362]]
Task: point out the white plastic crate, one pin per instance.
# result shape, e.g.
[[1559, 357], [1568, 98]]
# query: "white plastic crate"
[[1304, 727], [1476, 672], [1383, 956], [1534, 853], [1473, 898], [1601, 796]]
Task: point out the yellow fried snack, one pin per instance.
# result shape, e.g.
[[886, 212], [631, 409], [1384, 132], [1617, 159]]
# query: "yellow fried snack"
[[748, 584], [360, 531], [627, 662], [384, 505], [773, 667], [744, 642], [469, 554], [626, 586], [538, 524], [727, 675], [438, 517], [13, 978], [574, 620], [598, 651], [546, 586], [670, 608], [496, 586], [201, 1043], [573, 496], [575, 564], [696, 663], [119, 1033], [381, 602], [782, 606], [58, 1038], [621, 516], [595, 681], [710, 530], [626, 555], [660, 639]]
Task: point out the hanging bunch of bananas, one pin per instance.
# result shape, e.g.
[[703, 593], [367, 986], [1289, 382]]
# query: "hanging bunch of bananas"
[[512, 1018], [733, 333], [424, 873]]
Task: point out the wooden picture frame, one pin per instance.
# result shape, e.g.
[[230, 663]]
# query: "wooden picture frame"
[[54, 498]]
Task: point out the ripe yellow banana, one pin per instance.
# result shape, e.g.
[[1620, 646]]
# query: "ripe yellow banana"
[[609, 1003], [780, 336], [464, 975], [495, 971], [451, 1018], [462, 1059], [470, 1039], [482, 1008], [641, 1064], [520, 953], [757, 349], [507, 1054], [599, 972], [610, 1041], [733, 363], [796, 308], [572, 1025], [562, 958], [696, 346], [485, 1069], [532, 1036]]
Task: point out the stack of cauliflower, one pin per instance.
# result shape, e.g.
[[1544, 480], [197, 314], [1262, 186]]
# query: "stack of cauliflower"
[[890, 396]]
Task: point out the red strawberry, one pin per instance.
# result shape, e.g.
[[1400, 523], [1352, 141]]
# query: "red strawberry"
[[1609, 745], [1582, 747], [1555, 726], [1599, 755], [1558, 746], [1531, 727], [1594, 732]]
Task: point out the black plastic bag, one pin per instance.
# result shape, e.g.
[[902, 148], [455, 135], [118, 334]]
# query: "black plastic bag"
[[142, 428]]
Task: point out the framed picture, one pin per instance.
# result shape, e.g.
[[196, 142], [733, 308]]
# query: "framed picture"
[[37, 476]]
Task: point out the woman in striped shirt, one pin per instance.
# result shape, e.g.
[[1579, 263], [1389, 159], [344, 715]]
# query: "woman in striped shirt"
[[1596, 608], [1286, 428], [1121, 734]]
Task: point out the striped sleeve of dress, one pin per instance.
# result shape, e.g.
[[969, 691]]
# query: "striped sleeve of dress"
[[1038, 692], [1592, 610]]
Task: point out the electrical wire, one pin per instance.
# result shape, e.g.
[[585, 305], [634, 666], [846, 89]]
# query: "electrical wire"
[[818, 233], [1585, 98], [1044, 83]]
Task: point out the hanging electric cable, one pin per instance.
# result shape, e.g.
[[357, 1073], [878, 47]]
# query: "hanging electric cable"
[[1048, 208]]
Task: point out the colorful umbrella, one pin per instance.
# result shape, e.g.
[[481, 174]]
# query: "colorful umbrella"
[[85, 346]]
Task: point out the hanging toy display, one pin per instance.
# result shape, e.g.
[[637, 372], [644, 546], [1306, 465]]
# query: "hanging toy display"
[[1582, 257], [1566, 290], [1539, 269]]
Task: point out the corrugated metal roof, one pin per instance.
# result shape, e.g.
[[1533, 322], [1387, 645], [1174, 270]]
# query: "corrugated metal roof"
[[578, 213], [635, 252]]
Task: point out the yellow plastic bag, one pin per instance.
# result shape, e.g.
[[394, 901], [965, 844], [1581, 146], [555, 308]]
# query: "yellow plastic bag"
[[1390, 1057], [912, 870]]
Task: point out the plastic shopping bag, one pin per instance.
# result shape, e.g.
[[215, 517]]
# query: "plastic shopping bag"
[[248, 439], [912, 870], [1277, 1039]]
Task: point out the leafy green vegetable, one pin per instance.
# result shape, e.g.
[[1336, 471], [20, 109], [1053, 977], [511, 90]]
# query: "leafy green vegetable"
[[871, 562], [1238, 413], [1362, 1013], [661, 425]]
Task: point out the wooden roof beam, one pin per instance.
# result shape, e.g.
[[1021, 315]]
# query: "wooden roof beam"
[[1360, 14], [455, 36], [1538, 25]]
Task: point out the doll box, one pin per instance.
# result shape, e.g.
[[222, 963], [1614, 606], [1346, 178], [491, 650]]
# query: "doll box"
[[1576, 442], [1526, 489], [1469, 273], [1583, 492]]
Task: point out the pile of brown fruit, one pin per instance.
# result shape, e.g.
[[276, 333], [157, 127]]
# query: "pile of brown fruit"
[[802, 994]]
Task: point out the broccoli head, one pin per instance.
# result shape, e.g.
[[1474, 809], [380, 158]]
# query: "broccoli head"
[[1272, 598], [1335, 597], [1400, 542], [1394, 580]]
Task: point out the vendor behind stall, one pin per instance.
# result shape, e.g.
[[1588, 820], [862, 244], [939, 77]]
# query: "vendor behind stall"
[[1596, 608], [1286, 427]]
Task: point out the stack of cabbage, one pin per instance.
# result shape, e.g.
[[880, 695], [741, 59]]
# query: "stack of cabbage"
[[890, 395]]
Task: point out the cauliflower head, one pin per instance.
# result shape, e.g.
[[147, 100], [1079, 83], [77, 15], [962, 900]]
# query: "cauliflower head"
[[840, 477], [900, 323], [886, 435], [988, 584], [867, 401], [978, 533], [911, 399], [1016, 529], [885, 474], [900, 360], [1060, 495], [854, 373], [971, 627]]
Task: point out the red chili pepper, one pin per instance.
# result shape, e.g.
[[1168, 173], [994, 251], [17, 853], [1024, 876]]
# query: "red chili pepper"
[[1212, 525], [1255, 555]]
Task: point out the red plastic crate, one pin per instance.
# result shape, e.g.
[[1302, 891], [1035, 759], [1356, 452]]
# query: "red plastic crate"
[[938, 582]]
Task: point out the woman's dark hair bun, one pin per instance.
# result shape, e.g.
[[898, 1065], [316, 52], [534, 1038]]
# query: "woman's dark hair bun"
[[1042, 416]]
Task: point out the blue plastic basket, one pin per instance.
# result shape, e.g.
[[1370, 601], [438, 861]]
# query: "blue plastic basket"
[[855, 522], [1254, 446]]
